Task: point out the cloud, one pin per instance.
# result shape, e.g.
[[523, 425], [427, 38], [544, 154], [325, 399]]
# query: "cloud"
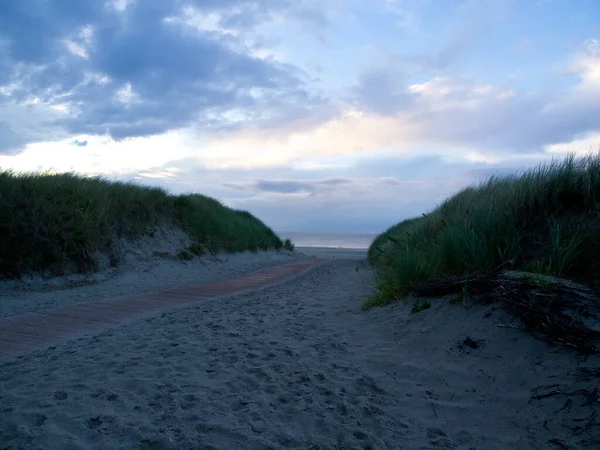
[[361, 193], [290, 200], [27, 121], [584, 145], [139, 68], [328, 192], [459, 112], [349, 134], [382, 91], [290, 186], [481, 175], [10, 140], [77, 143], [102, 155], [454, 116], [355, 204], [384, 87], [457, 117]]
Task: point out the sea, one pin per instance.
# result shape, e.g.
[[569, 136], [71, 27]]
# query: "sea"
[[330, 240]]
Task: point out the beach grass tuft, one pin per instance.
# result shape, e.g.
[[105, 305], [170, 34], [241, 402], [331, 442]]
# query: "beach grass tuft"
[[287, 244], [51, 221], [420, 305], [544, 220]]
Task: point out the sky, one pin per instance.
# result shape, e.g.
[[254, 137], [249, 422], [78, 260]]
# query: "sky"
[[314, 115]]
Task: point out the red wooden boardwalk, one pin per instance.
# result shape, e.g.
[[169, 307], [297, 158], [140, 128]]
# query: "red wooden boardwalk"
[[21, 334]]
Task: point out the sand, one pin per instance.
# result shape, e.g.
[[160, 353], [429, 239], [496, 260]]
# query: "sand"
[[139, 275], [333, 253], [299, 365]]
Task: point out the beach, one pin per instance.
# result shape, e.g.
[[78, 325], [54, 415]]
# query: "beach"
[[297, 364], [333, 253]]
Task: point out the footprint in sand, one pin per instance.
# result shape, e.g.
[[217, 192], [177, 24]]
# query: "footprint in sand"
[[36, 419], [438, 438], [61, 395], [188, 402], [93, 423], [239, 405]]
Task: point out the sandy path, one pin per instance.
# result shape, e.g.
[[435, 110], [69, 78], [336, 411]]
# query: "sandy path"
[[292, 366]]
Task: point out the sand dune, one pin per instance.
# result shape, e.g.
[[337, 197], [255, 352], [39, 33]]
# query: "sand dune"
[[298, 365]]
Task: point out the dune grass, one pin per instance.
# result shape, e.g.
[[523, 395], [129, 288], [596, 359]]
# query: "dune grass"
[[545, 220], [47, 221]]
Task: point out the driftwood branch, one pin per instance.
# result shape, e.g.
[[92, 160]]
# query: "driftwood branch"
[[551, 309]]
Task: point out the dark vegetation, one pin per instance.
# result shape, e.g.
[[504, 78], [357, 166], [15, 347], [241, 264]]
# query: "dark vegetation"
[[545, 220], [519, 241], [49, 221]]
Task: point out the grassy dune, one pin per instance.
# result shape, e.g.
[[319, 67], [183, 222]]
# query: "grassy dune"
[[48, 220], [545, 220]]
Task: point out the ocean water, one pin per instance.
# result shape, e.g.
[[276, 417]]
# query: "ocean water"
[[330, 240]]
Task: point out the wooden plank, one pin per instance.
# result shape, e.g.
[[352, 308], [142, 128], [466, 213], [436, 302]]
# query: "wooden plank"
[[21, 334]]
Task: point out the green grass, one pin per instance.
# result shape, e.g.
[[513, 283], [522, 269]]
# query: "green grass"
[[545, 220], [420, 305], [185, 255], [287, 244], [48, 222]]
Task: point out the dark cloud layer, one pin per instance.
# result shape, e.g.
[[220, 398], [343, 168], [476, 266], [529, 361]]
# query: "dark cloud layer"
[[288, 186], [133, 73], [77, 143]]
